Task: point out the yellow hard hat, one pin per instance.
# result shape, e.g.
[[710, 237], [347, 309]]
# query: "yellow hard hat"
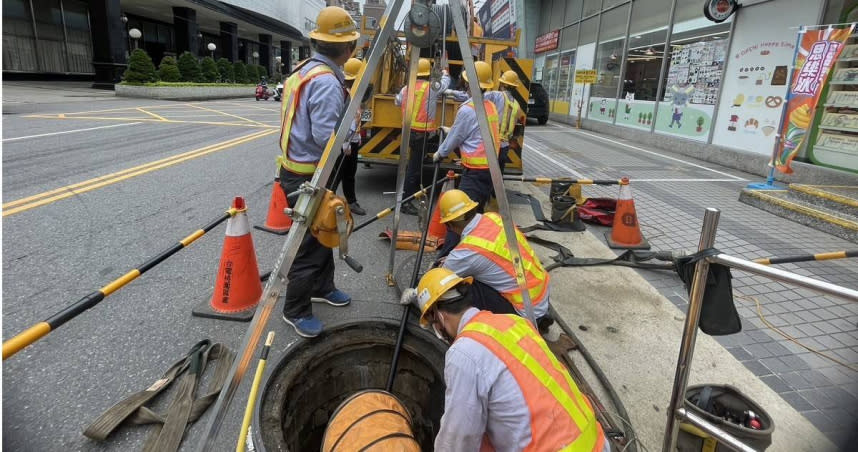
[[510, 78], [484, 74], [433, 286], [454, 204], [334, 24], [352, 68], [424, 67]]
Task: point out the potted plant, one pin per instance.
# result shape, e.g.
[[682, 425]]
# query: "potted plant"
[[649, 118], [700, 124], [640, 118]]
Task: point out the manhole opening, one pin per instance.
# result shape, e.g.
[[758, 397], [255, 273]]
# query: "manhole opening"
[[317, 375]]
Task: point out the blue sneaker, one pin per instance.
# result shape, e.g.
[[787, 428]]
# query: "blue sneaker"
[[336, 298], [305, 326]]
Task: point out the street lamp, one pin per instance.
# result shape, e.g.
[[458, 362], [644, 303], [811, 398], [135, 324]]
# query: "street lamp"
[[212, 48], [135, 34], [255, 56]]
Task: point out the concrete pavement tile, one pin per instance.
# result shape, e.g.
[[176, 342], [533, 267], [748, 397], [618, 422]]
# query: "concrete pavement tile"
[[838, 375], [809, 330], [757, 367], [845, 338], [829, 327], [818, 399], [829, 341], [776, 365], [796, 381], [740, 353], [796, 401], [819, 420], [794, 362], [758, 351], [848, 355], [840, 397], [776, 383], [776, 349], [805, 316]]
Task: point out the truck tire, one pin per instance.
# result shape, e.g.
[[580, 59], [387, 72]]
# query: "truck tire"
[[542, 120]]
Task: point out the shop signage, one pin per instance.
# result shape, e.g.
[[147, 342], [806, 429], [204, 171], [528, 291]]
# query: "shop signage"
[[719, 10], [585, 76], [546, 42]]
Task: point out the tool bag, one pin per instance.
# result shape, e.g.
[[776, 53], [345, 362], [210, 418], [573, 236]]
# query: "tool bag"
[[727, 408], [718, 316], [169, 428]]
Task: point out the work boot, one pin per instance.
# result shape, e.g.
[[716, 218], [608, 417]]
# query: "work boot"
[[335, 297], [357, 209], [544, 324], [409, 209], [305, 326]]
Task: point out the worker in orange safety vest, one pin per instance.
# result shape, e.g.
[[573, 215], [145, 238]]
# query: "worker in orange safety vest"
[[506, 391], [423, 124]]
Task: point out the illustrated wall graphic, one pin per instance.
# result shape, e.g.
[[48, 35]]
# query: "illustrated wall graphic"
[[630, 96], [679, 100]]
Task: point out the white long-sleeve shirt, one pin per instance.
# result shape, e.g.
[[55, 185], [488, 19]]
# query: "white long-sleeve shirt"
[[465, 262]]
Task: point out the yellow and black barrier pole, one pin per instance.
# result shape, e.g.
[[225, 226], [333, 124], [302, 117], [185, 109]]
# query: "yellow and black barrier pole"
[[254, 389], [41, 329], [807, 257], [389, 210]]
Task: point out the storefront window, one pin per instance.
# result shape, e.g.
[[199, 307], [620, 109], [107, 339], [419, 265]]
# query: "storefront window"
[[52, 49], [647, 34], [564, 85], [79, 39], [549, 77], [609, 56], [586, 53], [609, 3], [690, 89], [573, 10], [555, 21], [19, 43], [592, 7]]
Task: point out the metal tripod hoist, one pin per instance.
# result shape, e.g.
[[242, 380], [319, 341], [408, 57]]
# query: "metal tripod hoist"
[[313, 193]]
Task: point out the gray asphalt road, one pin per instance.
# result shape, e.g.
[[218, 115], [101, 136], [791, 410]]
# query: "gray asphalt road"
[[58, 250]]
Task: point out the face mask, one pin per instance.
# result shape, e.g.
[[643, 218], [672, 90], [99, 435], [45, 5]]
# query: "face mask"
[[441, 334]]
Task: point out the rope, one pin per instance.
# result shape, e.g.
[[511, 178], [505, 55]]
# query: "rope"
[[792, 339]]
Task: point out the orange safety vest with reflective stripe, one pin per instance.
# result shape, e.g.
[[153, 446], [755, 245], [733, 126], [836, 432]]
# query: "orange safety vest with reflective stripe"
[[476, 158], [420, 121], [561, 418], [291, 95], [511, 112], [488, 239]]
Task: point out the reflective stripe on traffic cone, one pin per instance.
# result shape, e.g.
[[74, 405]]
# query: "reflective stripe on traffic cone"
[[237, 288], [626, 233], [277, 222]]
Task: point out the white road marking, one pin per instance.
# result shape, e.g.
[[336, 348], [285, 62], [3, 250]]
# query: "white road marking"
[[68, 131], [561, 165], [660, 155], [633, 179]]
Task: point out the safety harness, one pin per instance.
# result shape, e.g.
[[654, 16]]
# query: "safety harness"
[[169, 427]]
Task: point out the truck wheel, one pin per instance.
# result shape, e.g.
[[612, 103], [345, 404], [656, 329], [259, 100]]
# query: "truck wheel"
[[542, 120]]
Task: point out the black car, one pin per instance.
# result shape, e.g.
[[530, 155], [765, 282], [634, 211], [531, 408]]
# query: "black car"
[[537, 105]]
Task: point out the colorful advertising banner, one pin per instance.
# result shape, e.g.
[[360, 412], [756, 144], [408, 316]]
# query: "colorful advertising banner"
[[813, 60]]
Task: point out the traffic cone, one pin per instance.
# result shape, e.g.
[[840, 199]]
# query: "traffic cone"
[[277, 222], [237, 288], [626, 232], [436, 229]]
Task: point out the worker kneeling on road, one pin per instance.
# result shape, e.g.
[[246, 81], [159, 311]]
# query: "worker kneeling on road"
[[465, 134], [313, 99], [506, 391], [482, 253]]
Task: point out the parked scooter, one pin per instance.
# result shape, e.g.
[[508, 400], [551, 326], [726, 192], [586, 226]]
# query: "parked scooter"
[[278, 94]]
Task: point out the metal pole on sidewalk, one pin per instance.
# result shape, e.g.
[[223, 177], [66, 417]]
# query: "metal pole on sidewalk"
[[689, 333]]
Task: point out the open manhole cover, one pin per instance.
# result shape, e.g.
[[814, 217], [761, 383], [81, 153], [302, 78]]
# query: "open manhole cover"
[[316, 375]]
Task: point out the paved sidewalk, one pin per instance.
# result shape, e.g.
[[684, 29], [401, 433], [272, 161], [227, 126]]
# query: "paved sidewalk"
[[671, 192]]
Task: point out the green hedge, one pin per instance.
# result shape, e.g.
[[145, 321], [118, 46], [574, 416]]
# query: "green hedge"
[[183, 84]]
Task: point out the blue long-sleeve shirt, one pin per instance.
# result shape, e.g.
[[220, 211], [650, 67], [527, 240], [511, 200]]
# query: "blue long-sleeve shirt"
[[465, 131], [319, 108]]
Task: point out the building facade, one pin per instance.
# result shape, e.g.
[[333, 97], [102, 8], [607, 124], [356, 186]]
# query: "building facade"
[[662, 68], [91, 38]]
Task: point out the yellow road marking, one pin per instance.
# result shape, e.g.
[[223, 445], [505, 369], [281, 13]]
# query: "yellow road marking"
[[125, 108], [51, 196], [175, 121], [227, 114], [158, 117], [273, 110]]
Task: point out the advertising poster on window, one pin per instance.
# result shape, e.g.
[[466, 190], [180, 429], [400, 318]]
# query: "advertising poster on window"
[[498, 21], [816, 54], [755, 80]]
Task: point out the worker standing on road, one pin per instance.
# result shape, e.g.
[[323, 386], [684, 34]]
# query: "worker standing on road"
[[347, 163], [482, 253], [313, 100], [423, 124], [506, 391], [465, 134], [511, 113]]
